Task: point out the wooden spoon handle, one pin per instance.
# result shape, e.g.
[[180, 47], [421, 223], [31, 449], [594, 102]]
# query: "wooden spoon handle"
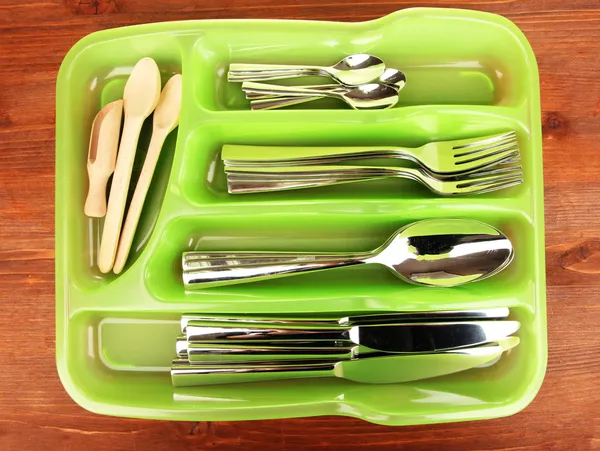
[[139, 196], [118, 193], [95, 203]]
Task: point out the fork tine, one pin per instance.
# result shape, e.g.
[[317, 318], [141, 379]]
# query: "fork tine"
[[487, 157], [514, 171], [506, 161], [489, 138], [492, 170], [488, 183], [487, 147], [469, 144], [510, 160], [498, 186]]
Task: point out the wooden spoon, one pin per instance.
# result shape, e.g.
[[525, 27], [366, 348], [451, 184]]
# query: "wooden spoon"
[[102, 156], [140, 97], [166, 118]]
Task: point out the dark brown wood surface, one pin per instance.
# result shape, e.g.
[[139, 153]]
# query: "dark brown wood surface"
[[35, 411]]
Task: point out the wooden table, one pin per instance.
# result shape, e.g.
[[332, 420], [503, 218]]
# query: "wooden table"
[[35, 411]]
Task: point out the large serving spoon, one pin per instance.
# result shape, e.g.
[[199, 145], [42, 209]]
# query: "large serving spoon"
[[166, 118], [361, 97], [434, 252], [102, 156], [140, 97], [351, 70]]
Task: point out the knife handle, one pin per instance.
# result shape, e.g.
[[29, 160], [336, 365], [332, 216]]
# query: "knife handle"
[[240, 335], [185, 375]]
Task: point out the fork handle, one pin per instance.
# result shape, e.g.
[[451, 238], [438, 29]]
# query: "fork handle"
[[245, 187], [228, 271], [329, 170], [287, 154]]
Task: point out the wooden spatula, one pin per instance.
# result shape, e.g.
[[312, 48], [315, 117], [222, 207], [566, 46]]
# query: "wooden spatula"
[[102, 156], [166, 118], [140, 97]]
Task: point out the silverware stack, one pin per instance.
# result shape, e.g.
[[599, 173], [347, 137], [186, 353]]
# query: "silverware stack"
[[362, 81], [459, 167], [389, 347], [378, 348]]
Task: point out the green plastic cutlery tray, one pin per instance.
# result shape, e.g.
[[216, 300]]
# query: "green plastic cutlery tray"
[[468, 74]]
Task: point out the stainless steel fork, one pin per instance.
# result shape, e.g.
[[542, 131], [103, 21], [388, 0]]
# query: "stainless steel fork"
[[264, 179], [442, 157]]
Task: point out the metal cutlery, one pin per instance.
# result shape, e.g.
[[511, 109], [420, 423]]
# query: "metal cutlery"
[[391, 77], [389, 347], [374, 370], [200, 353], [386, 347], [360, 97], [225, 351], [351, 70], [506, 165], [434, 252], [355, 320], [456, 167], [460, 156], [391, 338], [245, 180]]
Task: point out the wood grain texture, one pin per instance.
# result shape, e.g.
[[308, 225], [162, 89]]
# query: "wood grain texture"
[[35, 411]]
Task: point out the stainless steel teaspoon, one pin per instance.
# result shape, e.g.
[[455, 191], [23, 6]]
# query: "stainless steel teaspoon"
[[361, 97], [391, 77], [351, 70]]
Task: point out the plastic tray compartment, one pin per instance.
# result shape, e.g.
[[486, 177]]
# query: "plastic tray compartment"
[[469, 73]]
